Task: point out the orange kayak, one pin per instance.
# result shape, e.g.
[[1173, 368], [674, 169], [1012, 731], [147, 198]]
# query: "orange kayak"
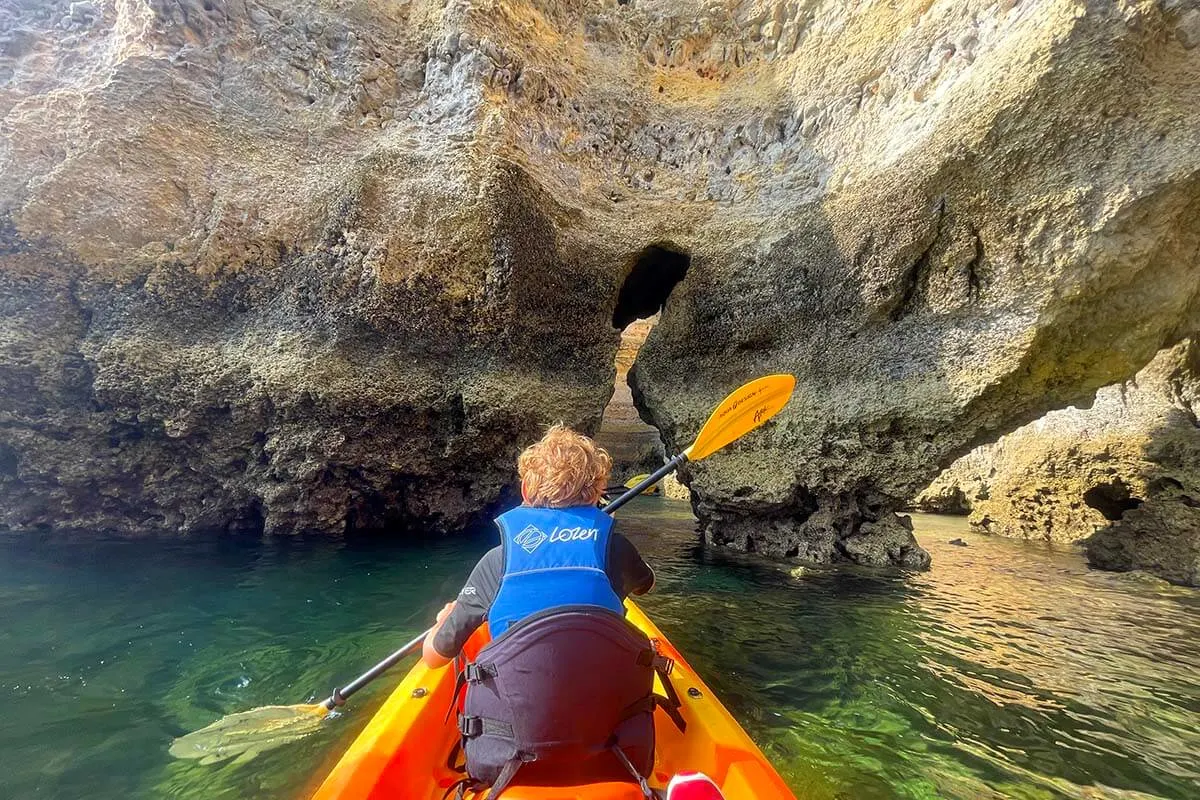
[[402, 754]]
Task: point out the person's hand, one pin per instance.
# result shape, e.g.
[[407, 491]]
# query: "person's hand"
[[445, 612]]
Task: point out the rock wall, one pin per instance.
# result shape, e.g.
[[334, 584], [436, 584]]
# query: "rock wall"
[[995, 222], [262, 269], [1122, 476], [326, 264]]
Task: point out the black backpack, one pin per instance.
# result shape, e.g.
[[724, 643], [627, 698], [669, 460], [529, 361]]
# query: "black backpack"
[[569, 691]]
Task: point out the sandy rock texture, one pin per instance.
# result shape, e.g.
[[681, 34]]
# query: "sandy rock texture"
[[263, 268], [327, 264], [1122, 476], [968, 214]]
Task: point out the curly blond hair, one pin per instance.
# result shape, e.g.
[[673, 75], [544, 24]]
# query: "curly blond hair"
[[564, 469]]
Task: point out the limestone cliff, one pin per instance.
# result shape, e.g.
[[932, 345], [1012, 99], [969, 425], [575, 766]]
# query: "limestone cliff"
[[263, 267], [327, 264], [1122, 476]]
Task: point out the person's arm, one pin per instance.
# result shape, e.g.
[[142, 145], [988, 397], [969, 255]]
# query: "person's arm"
[[627, 570], [429, 654], [459, 619]]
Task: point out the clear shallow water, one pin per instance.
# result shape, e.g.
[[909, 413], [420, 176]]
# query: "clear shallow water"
[[1009, 670]]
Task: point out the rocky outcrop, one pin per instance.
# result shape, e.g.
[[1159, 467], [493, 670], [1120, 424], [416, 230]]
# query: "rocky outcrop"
[[1122, 476], [262, 269], [330, 265], [995, 225]]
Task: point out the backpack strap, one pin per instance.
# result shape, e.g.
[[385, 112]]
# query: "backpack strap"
[[508, 772], [663, 666], [642, 783], [671, 703], [472, 672], [471, 727], [452, 763], [460, 787]]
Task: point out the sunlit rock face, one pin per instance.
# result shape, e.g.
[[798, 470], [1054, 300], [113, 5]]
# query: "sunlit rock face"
[[327, 266], [1122, 476], [264, 267], [960, 216]]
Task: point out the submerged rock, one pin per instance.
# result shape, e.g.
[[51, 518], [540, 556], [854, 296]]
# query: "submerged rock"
[[290, 266], [1122, 476]]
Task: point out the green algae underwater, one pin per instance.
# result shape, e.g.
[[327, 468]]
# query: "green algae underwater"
[[1008, 671]]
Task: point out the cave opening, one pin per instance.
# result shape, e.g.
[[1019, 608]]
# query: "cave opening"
[[658, 270], [635, 444], [1111, 499]]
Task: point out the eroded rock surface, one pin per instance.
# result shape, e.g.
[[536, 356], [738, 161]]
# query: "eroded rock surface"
[[976, 218], [1122, 476], [326, 265], [262, 267]]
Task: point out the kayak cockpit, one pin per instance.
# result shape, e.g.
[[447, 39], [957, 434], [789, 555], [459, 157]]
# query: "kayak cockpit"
[[406, 749]]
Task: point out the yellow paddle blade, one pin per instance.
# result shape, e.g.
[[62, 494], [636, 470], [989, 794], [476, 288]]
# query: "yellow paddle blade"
[[747, 407], [247, 733], [636, 479]]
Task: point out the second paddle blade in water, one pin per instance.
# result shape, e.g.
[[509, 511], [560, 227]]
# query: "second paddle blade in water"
[[248, 733]]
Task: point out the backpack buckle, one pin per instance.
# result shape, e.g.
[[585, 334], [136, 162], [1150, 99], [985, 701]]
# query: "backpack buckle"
[[475, 673], [470, 727], [656, 661]]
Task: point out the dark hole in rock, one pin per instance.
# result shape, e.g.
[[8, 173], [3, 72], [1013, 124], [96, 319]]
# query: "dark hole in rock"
[[657, 270], [250, 521], [1111, 499]]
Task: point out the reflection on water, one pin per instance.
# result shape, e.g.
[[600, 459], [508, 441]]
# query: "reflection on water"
[[1009, 670]]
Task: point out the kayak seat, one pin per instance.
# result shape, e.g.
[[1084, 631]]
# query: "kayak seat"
[[616, 790]]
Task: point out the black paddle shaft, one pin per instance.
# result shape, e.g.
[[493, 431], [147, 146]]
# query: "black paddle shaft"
[[651, 479], [339, 696]]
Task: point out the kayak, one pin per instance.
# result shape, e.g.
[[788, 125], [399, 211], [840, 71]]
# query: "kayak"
[[405, 750]]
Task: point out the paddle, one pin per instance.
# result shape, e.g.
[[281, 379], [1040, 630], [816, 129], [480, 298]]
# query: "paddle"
[[747, 407], [247, 733]]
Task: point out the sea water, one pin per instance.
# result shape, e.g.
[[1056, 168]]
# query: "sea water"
[[1007, 671]]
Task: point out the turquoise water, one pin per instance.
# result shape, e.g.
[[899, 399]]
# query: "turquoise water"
[[1009, 670]]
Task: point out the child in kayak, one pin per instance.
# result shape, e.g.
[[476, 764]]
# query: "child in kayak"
[[562, 470], [564, 690]]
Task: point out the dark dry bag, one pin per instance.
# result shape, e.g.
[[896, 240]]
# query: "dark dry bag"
[[565, 694]]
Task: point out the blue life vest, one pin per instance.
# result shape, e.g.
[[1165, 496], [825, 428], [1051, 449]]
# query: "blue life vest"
[[552, 557]]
